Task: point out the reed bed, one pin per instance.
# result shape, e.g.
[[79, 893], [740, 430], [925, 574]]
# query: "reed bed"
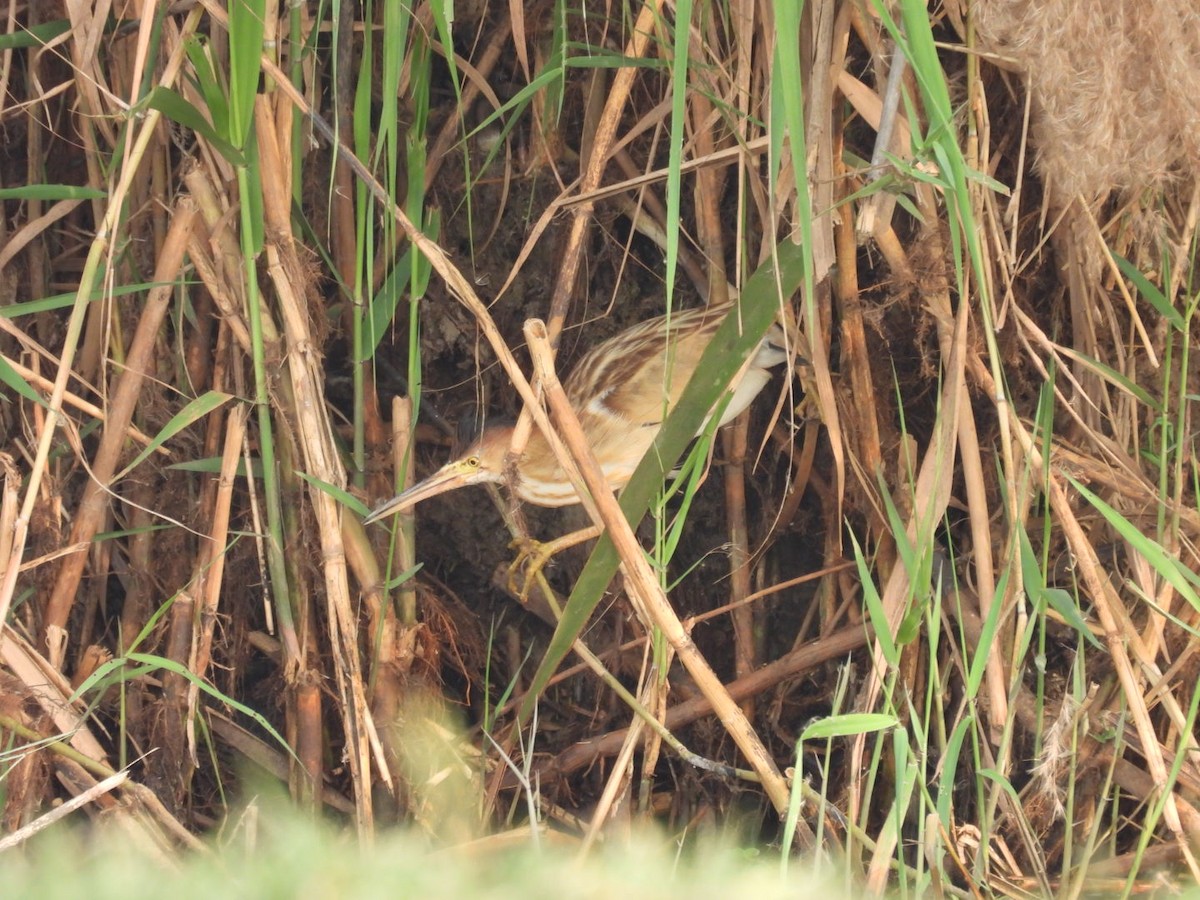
[[925, 615]]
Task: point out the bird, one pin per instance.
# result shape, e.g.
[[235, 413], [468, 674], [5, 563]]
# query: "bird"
[[621, 390]]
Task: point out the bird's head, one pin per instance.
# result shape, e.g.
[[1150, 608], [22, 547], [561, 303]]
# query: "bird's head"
[[481, 462]]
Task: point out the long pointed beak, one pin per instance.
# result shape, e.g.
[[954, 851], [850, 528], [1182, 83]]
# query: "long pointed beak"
[[448, 478]]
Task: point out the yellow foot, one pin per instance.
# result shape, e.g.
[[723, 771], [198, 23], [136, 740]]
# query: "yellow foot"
[[533, 555], [524, 571]]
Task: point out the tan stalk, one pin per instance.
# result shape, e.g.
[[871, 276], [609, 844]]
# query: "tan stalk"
[[645, 588], [321, 460], [208, 579], [931, 496], [94, 503]]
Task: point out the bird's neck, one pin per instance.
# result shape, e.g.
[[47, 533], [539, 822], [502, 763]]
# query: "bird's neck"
[[541, 479]]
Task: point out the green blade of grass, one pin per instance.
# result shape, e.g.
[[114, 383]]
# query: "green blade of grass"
[[1179, 576], [193, 412]]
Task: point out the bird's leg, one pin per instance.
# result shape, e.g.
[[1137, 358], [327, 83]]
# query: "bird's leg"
[[533, 555]]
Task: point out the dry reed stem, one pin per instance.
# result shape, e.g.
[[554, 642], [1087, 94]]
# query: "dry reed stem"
[[321, 460], [50, 688], [657, 693], [817, 316], [950, 342], [18, 837], [220, 255], [975, 481], [87, 31], [10, 500], [820, 144], [269, 758], [620, 775], [1100, 249], [76, 769], [653, 601], [37, 352], [404, 463], [594, 172], [723, 157], [745, 647], [601, 143], [218, 285], [931, 496], [34, 229], [1111, 612], [710, 185], [208, 578], [123, 403], [712, 239], [798, 480], [856, 359], [643, 712]]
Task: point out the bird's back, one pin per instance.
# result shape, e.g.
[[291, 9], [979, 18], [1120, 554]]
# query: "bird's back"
[[623, 388], [641, 372]]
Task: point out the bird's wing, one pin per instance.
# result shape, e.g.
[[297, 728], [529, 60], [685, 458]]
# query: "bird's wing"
[[638, 375]]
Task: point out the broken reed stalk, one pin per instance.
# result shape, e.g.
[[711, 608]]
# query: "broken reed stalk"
[[651, 601], [601, 142]]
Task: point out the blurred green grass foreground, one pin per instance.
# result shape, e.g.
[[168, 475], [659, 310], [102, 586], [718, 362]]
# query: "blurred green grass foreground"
[[279, 854]]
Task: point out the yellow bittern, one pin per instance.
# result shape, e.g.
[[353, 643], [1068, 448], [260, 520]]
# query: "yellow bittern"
[[620, 390]]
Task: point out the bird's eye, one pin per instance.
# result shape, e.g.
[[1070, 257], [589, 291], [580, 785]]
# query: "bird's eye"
[[473, 462]]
